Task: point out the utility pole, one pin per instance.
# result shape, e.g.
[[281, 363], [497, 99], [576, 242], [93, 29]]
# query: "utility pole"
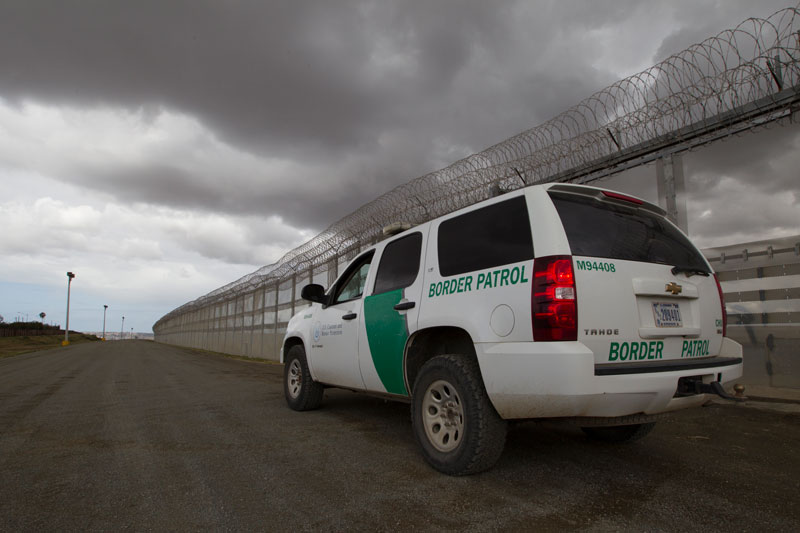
[[105, 308], [65, 342]]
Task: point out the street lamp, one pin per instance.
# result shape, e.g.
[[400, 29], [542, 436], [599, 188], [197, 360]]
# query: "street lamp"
[[131, 333], [65, 342], [121, 329], [105, 308]]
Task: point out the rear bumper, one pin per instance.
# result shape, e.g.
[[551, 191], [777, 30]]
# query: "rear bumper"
[[560, 379]]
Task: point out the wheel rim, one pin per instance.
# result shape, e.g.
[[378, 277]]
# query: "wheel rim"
[[443, 416], [295, 378]]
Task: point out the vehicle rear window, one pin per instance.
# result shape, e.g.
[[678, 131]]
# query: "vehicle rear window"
[[491, 236], [603, 229]]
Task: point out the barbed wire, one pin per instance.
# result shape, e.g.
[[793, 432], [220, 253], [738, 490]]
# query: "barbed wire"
[[738, 80]]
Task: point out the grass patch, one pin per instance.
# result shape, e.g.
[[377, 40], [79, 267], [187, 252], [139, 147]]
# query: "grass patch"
[[11, 346]]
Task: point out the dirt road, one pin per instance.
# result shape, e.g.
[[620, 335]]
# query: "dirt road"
[[136, 435]]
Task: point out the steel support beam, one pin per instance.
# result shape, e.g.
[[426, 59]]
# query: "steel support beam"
[[672, 189]]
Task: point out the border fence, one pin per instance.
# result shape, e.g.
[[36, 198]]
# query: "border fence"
[[761, 284], [742, 79]]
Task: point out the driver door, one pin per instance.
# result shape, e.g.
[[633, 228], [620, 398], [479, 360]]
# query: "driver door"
[[334, 344]]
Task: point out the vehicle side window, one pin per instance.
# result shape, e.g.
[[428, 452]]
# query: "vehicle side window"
[[352, 283], [399, 264], [494, 235]]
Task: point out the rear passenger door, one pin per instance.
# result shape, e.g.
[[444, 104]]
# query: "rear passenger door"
[[479, 269], [390, 314]]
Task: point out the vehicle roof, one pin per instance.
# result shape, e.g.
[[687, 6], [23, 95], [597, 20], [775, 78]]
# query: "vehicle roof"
[[571, 188]]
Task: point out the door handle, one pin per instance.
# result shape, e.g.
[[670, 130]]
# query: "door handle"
[[404, 306], [349, 316]]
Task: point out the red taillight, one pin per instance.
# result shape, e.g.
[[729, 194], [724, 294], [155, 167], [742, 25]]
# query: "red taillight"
[[554, 304], [722, 303], [624, 197]]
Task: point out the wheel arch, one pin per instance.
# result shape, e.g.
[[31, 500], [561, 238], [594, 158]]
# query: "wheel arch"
[[288, 344], [425, 344]]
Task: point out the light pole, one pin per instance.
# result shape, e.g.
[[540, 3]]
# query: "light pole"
[[65, 342], [105, 308], [122, 329], [131, 333]]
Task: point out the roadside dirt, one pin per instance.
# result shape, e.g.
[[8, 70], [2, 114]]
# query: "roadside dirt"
[[136, 435]]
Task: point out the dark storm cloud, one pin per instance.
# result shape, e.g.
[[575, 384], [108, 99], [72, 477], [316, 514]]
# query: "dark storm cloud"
[[180, 189], [361, 96], [260, 73], [310, 81], [276, 76], [768, 159], [698, 21]]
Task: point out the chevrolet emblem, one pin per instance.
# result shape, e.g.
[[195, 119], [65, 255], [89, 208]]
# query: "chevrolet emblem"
[[673, 287]]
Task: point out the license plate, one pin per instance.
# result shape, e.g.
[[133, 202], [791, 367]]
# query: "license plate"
[[668, 315]]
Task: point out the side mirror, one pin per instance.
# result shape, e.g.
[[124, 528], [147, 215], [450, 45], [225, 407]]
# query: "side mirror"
[[314, 293]]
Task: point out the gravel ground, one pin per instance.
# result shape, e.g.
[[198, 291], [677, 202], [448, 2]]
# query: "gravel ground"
[[133, 435]]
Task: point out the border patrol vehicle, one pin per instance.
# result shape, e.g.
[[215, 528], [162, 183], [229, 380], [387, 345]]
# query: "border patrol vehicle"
[[553, 301]]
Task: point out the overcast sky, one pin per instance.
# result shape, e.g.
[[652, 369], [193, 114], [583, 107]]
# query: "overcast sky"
[[162, 149]]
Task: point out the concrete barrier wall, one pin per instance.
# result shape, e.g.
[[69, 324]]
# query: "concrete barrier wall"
[[250, 324], [761, 284], [253, 323], [772, 357]]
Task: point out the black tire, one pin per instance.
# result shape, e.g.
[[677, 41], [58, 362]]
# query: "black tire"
[[302, 393], [455, 424], [619, 433]]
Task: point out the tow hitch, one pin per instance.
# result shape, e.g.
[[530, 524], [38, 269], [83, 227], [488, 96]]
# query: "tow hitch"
[[715, 387], [690, 386]]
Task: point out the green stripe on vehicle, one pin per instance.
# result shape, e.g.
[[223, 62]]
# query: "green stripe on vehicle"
[[387, 333]]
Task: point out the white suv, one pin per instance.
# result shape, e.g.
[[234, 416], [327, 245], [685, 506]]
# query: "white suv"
[[550, 301]]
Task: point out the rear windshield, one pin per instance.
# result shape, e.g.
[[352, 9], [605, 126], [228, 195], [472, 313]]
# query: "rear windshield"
[[603, 229]]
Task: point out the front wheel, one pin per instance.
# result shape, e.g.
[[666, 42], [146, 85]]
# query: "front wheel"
[[454, 422], [302, 393]]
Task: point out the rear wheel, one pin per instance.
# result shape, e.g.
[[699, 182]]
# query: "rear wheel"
[[302, 393], [454, 422], [618, 433]]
